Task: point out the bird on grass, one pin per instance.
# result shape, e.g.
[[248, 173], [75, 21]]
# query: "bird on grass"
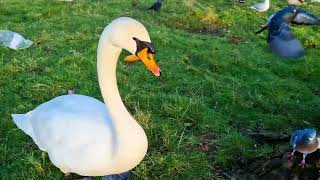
[[280, 37], [156, 6], [261, 7], [85, 136], [305, 141], [296, 2]]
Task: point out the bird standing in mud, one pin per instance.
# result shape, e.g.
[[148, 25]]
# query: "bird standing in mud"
[[156, 6], [280, 37], [305, 141]]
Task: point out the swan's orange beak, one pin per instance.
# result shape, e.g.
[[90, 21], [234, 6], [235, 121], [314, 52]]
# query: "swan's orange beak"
[[147, 59]]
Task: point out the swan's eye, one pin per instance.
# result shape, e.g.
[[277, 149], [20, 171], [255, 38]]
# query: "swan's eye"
[[151, 50], [144, 45]]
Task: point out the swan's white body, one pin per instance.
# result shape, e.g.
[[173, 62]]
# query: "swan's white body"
[[261, 6], [83, 135]]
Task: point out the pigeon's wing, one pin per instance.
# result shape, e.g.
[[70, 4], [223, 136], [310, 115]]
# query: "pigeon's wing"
[[294, 136], [306, 17], [283, 33], [318, 138]]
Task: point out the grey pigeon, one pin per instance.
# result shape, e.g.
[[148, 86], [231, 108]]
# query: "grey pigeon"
[[280, 37]]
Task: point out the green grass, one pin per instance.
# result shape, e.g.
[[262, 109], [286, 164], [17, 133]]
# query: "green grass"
[[209, 85]]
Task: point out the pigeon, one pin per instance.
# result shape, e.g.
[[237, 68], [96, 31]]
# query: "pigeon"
[[280, 37], [156, 6], [121, 176], [261, 7], [305, 141]]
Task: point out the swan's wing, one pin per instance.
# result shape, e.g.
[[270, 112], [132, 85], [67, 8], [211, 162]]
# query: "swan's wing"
[[77, 133]]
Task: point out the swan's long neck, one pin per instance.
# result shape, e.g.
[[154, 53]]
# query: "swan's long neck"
[[131, 142], [107, 63]]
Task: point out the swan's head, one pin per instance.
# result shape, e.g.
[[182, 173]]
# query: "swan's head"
[[132, 36]]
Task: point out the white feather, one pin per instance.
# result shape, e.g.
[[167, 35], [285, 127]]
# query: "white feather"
[[261, 6]]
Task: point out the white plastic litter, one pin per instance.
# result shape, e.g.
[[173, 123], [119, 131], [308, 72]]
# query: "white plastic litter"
[[14, 40]]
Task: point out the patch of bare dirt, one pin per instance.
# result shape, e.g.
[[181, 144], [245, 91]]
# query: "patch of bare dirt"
[[235, 40], [208, 143], [215, 31]]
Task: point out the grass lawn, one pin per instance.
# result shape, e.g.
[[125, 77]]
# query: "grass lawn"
[[219, 80]]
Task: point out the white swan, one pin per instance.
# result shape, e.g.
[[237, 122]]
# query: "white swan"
[[83, 135], [261, 6]]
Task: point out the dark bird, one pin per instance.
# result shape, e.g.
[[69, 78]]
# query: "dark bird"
[[280, 37], [305, 141], [156, 6], [122, 176]]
